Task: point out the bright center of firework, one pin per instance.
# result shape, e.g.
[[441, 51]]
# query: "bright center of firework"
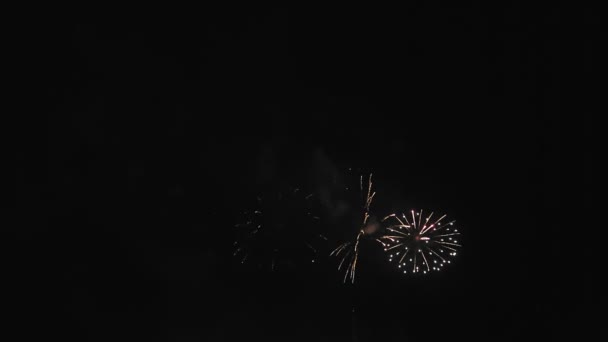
[[419, 242]]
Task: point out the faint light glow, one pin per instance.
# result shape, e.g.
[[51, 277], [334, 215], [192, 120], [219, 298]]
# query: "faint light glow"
[[259, 241]]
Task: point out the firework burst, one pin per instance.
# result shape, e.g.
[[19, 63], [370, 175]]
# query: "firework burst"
[[417, 244], [348, 252], [282, 229]]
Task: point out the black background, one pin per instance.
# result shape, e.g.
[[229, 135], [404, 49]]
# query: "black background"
[[155, 128]]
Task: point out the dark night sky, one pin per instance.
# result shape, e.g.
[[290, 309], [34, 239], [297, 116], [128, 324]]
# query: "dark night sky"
[[155, 128]]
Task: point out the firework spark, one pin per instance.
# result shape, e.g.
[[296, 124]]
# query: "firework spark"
[[281, 229], [348, 252], [417, 244]]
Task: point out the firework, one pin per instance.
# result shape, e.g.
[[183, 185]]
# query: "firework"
[[417, 244], [348, 252], [281, 229]]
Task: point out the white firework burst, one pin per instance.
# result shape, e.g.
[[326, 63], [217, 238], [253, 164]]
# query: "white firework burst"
[[420, 245]]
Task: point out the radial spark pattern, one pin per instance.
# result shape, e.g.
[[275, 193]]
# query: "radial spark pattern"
[[280, 230], [418, 244]]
